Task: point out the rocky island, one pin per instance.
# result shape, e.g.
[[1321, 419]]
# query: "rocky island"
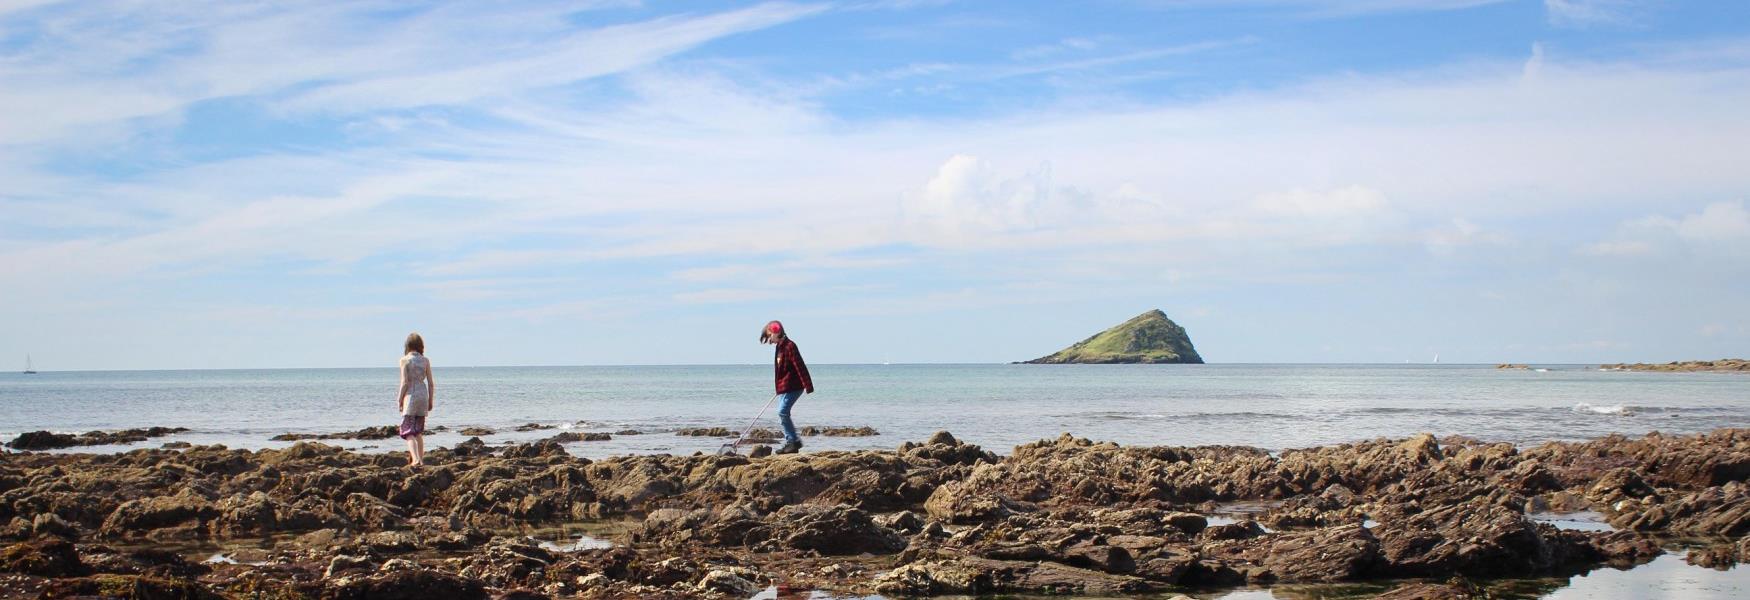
[[1059, 516], [1150, 338]]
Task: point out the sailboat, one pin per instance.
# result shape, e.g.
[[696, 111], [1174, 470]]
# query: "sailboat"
[[27, 369]]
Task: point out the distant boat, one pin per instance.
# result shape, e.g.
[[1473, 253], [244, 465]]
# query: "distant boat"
[[27, 369], [1437, 358]]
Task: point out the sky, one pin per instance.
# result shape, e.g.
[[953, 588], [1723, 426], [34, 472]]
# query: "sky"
[[264, 184]]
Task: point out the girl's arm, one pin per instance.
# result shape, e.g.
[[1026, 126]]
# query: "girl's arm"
[[401, 394], [430, 388]]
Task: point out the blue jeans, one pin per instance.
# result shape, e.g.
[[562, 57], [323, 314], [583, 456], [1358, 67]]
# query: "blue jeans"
[[785, 401]]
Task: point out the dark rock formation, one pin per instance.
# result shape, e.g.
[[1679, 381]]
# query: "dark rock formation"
[[369, 433], [45, 440], [1066, 515]]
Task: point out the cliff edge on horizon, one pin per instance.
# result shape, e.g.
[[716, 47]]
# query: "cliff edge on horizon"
[[1150, 338]]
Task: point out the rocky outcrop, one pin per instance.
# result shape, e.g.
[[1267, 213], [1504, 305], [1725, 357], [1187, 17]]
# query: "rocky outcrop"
[[1065, 515], [1724, 365], [369, 433], [46, 440]]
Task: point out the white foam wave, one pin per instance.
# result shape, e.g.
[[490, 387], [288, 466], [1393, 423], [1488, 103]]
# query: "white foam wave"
[[1618, 409]]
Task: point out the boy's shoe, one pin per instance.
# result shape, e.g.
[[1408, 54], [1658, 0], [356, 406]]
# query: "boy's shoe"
[[790, 447]]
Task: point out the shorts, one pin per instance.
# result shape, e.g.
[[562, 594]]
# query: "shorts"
[[412, 426]]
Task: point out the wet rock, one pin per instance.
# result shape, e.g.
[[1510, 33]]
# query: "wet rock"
[[46, 557], [413, 584], [1618, 484], [342, 564], [985, 576], [509, 561], [905, 521], [477, 431], [705, 432], [958, 502], [160, 517], [1333, 554], [46, 440], [1456, 589], [1719, 557], [128, 586], [724, 582], [1242, 530], [668, 572], [53, 524], [572, 436], [152, 562], [760, 451], [1472, 538], [176, 445], [864, 431], [832, 531], [533, 427], [369, 433], [389, 542], [1720, 511]]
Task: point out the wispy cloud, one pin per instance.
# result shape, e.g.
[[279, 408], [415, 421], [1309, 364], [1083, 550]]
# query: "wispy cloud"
[[1592, 13], [1327, 8]]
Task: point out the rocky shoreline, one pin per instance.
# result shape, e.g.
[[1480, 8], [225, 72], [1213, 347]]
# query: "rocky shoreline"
[[1724, 365], [1061, 516]]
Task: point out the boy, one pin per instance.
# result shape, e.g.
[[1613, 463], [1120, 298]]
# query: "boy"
[[791, 375]]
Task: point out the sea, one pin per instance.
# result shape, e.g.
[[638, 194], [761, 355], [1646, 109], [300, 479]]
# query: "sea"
[[1272, 406]]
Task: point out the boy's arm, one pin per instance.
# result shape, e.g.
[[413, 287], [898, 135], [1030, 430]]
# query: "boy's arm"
[[802, 370]]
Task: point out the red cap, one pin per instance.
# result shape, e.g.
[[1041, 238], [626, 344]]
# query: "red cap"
[[771, 329]]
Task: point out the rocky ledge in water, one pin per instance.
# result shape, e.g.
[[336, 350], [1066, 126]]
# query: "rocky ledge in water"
[[369, 433], [1066, 515], [47, 440], [1726, 365], [773, 434]]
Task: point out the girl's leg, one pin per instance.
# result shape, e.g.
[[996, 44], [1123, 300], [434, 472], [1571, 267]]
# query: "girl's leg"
[[419, 444], [413, 451]]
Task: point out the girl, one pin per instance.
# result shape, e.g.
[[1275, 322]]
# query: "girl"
[[792, 381], [416, 397]]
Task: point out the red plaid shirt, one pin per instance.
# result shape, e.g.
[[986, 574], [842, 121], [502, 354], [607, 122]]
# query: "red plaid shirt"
[[789, 370]]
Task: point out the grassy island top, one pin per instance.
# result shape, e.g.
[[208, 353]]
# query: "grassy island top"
[[1150, 338]]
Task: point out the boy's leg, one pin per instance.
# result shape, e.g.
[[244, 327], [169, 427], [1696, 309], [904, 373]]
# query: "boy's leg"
[[788, 400]]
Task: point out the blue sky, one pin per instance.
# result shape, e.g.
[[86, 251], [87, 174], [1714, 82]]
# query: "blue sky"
[[240, 184]]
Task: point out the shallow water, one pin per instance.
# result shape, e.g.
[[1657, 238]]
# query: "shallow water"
[[1666, 577], [998, 406]]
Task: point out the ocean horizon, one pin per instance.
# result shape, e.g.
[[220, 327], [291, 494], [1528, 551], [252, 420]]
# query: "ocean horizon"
[[996, 405]]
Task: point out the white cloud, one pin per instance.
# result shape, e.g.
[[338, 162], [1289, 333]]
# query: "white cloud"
[[966, 196], [1618, 248], [1347, 201], [726, 295], [1719, 229], [1534, 65], [1718, 222], [1590, 13]]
